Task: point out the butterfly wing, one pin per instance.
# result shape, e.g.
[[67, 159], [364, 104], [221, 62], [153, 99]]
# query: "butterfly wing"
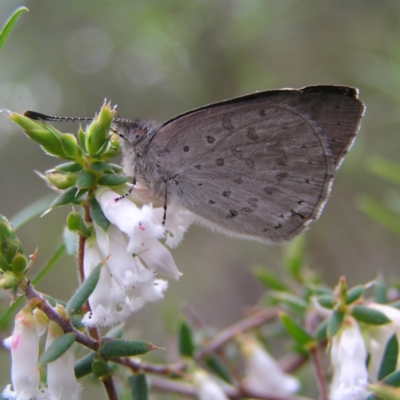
[[259, 166]]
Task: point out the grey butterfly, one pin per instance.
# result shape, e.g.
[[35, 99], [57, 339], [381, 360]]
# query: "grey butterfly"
[[259, 166]]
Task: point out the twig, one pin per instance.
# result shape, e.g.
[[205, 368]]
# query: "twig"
[[226, 335]]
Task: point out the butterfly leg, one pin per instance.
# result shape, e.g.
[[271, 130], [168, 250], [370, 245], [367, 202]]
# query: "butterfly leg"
[[165, 204], [133, 184]]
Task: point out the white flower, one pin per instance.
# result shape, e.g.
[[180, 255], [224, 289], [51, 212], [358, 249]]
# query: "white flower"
[[207, 388], [348, 359], [107, 301], [134, 257], [262, 373], [24, 346], [379, 336], [61, 379]]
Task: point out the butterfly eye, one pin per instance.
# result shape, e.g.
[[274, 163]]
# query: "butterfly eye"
[[135, 136]]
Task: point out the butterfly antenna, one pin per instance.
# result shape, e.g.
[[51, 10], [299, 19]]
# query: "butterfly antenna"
[[43, 117]]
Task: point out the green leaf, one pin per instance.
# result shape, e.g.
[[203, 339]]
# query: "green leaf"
[[295, 302], [354, 294], [100, 368], [380, 214], [9, 25], [216, 365], [138, 386], [97, 214], [380, 292], [298, 333], [369, 315], [101, 166], [76, 223], [185, 340], [69, 167], [125, 348], [83, 366], [64, 198], [393, 379], [385, 169], [294, 256], [70, 146], [82, 139], [334, 323], [84, 291], [389, 358], [320, 332], [85, 180], [326, 301], [269, 278], [113, 180], [57, 348]]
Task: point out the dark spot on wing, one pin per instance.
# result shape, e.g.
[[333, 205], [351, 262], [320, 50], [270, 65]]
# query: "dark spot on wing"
[[185, 149], [278, 226], [226, 193], [238, 181], [247, 209], [210, 139], [198, 166], [231, 214], [261, 113], [211, 202], [220, 161]]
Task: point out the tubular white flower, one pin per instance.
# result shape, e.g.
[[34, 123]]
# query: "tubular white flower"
[[262, 373], [207, 388], [108, 301], [135, 222], [24, 346], [379, 336], [348, 359], [61, 379]]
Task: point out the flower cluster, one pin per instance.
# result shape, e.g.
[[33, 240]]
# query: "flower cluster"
[[350, 351], [134, 256], [24, 346]]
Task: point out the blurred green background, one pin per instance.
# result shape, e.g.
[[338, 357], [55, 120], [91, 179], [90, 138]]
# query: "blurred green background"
[[159, 58]]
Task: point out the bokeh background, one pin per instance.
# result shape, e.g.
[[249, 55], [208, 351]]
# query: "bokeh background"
[[159, 58]]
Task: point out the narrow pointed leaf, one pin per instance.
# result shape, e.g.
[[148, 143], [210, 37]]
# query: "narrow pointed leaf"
[[97, 214], [216, 365], [84, 366], [389, 358], [354, 294], [9, 25], [69, 167], [125, 348], [369, 315], [269, 278], [138, 386], [113, 180], [298, 333], [57, 348], [334, 323], [186, 347], [393, 379], [84, 291], [64, 198]]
